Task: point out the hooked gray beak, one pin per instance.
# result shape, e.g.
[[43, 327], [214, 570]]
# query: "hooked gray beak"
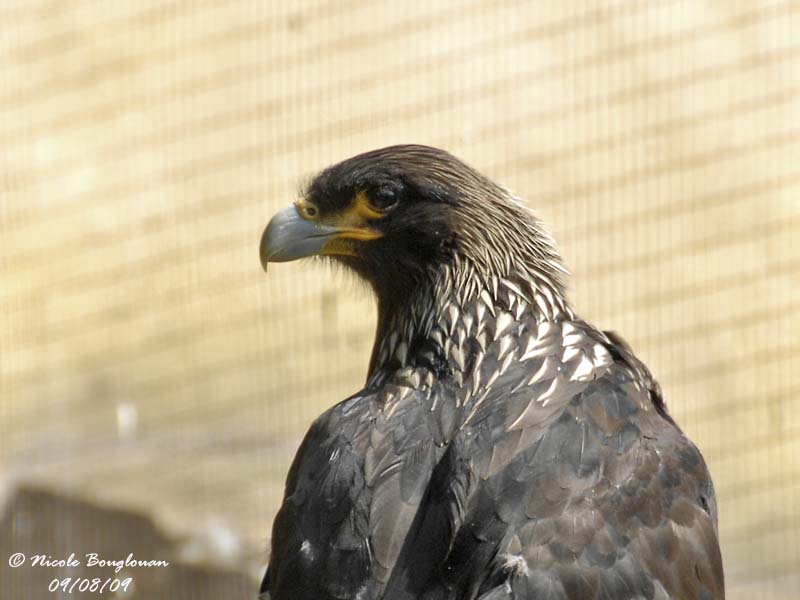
[[289, 236]]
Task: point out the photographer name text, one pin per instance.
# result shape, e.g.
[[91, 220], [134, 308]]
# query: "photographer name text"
[[90, 559]]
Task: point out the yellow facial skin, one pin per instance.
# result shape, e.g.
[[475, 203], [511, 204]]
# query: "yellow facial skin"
[[351, 223], [299, 231]]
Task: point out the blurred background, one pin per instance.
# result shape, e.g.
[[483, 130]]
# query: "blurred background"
[[155, 383]]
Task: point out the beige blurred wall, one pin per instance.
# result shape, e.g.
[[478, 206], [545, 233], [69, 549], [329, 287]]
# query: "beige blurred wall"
[[145, 359]]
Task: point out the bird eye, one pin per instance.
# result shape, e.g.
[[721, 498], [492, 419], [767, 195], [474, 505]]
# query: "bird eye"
[[385, 198], [306, 209]]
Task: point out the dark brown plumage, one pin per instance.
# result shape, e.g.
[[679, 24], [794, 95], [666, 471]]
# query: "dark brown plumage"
[[502, 447]]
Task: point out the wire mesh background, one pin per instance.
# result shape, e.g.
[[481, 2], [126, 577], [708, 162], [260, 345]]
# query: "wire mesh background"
[[146, 361]]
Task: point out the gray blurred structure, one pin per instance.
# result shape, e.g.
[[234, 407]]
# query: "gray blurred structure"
[[146, 363], [40, 522]]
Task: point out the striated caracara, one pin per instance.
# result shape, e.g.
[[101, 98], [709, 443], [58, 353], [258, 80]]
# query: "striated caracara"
[[502, 447]]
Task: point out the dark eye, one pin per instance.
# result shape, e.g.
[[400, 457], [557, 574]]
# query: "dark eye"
[[386, 197]]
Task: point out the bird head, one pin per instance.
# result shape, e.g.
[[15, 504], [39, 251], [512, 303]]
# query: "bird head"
[[397, 215]]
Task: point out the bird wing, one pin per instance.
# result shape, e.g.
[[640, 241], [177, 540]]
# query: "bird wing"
[[314, 533], [353, 493], [604, 499]]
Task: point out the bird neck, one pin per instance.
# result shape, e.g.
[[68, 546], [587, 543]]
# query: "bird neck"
[[448, 320]]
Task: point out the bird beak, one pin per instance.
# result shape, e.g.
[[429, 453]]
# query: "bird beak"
[[289, 236]]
